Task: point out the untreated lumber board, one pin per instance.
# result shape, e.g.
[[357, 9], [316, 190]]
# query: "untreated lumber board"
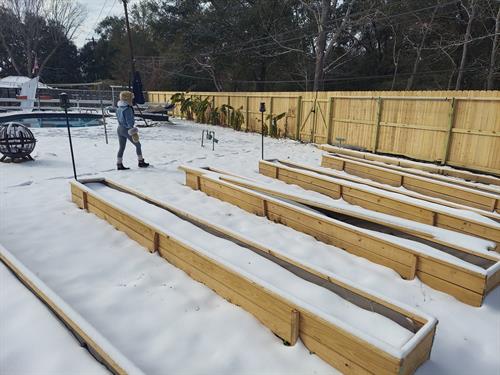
[[46, 296], [426, 237], [249, 243], [492, 189], [465, 284], [358, 180], [428, 167], [354, 191], [288, 319], [424, 185]]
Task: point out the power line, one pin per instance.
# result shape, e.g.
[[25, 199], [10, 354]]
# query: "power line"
[[352, 78], [225, 51], [328, 29], [97, 19]]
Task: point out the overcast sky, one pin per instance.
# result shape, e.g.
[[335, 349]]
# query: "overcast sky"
[[97, 10]]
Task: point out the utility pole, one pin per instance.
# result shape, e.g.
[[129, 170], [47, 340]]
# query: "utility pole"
[[130, 46], [132, 60]]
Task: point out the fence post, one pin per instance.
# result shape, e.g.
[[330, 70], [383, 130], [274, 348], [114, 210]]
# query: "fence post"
[[314, 110], [299, 115], [330, 121], [247, 118], [451, 121], [377, 125]]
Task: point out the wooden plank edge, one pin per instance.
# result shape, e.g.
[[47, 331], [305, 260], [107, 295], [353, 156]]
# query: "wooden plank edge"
[[35, 285], [460, 194], [493, 180], [487, 227], [437, 175], [342, 283], [451, 269], [294, 323]]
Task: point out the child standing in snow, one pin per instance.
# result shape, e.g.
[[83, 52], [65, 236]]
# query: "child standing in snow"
[[127, 130]]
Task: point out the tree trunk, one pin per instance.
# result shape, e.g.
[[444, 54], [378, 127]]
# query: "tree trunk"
[[396, 64], [409, 83], [9, 52], [46, 60], [467, 38], [321, 45], [261, 84], [491, 71]]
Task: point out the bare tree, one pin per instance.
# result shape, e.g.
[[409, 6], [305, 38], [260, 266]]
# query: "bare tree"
[[327, 35], [471, 13], [60, 18], [494, 48], [205, 64], [425, 29]]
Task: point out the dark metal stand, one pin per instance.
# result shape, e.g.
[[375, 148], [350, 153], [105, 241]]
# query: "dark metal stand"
[[142, 116], [70, 143], [210, 134], [7, 159], [262, 109], [65, 104], [103, 116]]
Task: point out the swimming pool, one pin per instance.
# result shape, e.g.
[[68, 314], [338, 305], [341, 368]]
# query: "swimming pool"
[[52, 119]]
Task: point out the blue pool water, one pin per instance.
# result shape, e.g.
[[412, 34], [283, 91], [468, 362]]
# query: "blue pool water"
[[52, 120]]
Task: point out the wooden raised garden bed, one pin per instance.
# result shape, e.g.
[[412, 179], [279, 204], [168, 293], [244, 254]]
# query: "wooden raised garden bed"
[[467, 196], [411, 165], [466, 281], [335, 341], [357, 192]]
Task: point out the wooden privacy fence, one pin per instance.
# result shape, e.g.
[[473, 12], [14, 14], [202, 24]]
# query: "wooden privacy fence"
[[459, 128]]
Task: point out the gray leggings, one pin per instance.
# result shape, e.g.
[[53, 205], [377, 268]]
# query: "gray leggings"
[[122, 140]]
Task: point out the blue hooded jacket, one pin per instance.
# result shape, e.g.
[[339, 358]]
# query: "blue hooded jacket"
[[125, 115]]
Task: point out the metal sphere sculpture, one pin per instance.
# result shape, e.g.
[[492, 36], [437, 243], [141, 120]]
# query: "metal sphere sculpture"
[[17, 142]]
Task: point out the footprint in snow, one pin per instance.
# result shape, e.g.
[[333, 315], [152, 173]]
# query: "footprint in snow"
[[26, 183]]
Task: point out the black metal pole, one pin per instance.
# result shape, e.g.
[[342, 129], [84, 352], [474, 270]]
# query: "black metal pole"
[[140, 111], [103, 116], [262, 109], [70, 143], [262, 135]]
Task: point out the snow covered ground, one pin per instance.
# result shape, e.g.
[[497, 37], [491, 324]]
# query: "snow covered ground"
[[29, 333], [157, 316]]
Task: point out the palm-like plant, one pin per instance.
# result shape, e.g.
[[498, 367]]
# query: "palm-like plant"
[[274, 124], [186, 104]]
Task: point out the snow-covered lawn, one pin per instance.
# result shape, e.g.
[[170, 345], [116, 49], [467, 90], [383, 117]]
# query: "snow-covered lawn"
[[29, 335], [157, 316]]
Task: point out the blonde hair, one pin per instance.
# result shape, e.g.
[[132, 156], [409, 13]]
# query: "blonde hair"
[[127, 96]]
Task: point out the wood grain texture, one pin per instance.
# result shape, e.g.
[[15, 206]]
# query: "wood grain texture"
[[467, 196], [415, 124], [400, 258], [288, 320], [95, 349]]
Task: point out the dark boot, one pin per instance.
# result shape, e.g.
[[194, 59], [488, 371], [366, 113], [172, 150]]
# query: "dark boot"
[[143, 164], [121, 167]]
